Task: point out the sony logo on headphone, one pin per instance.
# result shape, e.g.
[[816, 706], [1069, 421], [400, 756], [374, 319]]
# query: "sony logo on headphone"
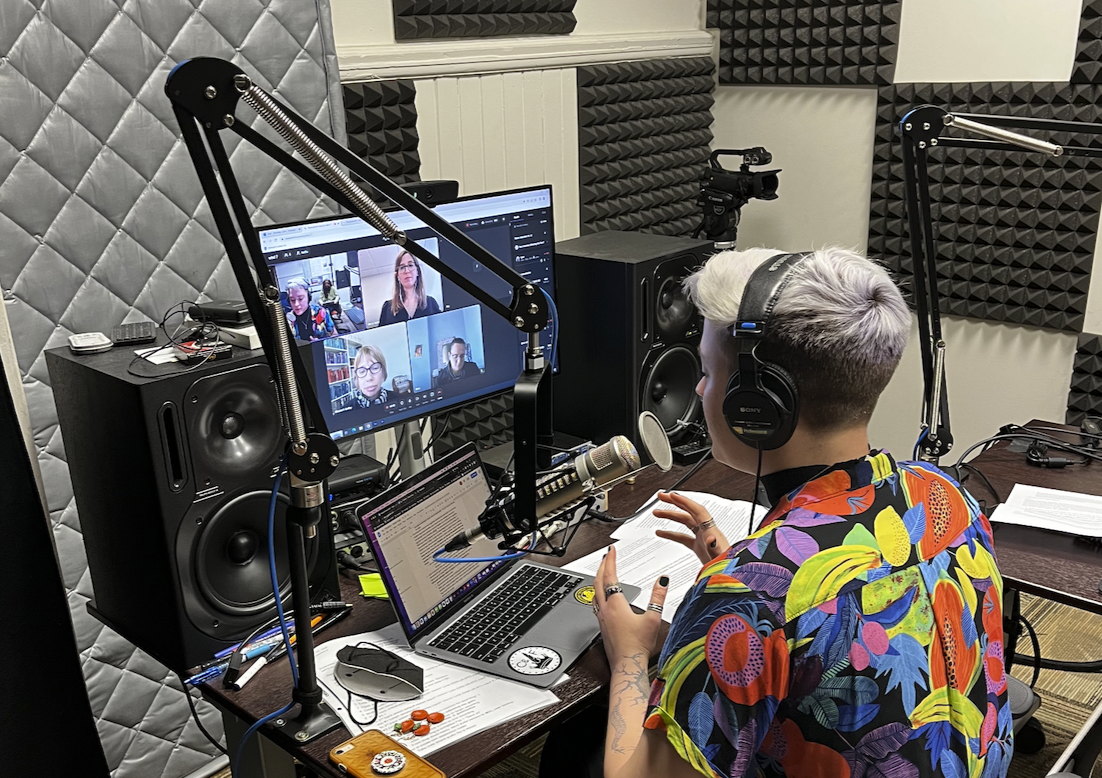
[[750, 410]]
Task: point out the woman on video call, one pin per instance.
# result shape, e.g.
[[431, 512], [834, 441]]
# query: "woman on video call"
[[368, 375], [410, 300], [308, 320]]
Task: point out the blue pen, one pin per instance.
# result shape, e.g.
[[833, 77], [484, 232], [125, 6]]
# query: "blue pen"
[[270, 633], [252, 652]]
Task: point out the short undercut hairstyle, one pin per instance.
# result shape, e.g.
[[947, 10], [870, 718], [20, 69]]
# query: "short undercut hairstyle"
[[839, 328]]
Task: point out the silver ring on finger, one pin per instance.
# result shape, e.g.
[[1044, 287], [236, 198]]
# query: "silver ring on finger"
[[704, 525], [596, 609], [612, 589], [654, 606]]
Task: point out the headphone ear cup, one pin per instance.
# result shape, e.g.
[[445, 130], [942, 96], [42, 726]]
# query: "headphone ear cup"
[[779, 384], [771, 410]]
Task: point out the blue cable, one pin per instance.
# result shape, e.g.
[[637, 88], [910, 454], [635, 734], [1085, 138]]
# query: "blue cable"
[[249, 733], [275, 575], [555, 320], [282, 620], [922, 437], [436, 556]]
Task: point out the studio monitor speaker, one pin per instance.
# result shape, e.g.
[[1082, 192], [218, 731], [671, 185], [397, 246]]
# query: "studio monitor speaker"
[[628, 334], [173, 476]]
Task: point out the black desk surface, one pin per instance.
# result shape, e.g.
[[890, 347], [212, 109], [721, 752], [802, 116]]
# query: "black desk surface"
[[270, 689], [1052, 565]]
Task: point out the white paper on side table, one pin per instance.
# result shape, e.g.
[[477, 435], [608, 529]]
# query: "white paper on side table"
[[641, 556], [470, 701], [1052, 509]]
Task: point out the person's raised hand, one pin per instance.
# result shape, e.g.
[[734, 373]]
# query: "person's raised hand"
[[625, 632], [706, 540]]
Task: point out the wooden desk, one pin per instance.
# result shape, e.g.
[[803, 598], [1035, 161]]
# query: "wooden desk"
[[270, 689], [1052, 565]]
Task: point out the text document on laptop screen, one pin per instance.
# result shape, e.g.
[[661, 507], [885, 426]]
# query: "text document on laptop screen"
[[409, 522]]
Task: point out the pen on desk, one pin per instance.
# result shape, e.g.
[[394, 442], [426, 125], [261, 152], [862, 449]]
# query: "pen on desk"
[[222, 658], [276, 630], [332, 618], [253, 651]]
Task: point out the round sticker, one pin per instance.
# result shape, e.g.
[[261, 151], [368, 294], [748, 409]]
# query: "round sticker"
[[585, 595], [535, 660], [388, 762]]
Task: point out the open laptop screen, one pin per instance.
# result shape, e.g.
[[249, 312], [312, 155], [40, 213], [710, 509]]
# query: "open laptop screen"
[[407, 523]]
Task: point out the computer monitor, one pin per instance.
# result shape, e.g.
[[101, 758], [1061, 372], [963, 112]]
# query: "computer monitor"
[[389, 339]]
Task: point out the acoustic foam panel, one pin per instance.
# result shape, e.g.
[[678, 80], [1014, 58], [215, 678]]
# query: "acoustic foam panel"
[[1014, 231], [1085, 397], [643, 136], [487, 423], [420, 19], [382, 126], [1088, 50], [813, 42]]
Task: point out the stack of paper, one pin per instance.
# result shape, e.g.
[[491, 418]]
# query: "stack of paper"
[[470, 701], [641, 557], [1053, 509]]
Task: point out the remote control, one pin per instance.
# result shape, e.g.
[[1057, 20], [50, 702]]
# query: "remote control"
[[135, 332]]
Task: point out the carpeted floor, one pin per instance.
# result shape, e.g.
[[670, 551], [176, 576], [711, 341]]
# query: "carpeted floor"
[[1067, 698]]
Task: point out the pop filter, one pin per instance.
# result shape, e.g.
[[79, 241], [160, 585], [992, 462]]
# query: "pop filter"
[[655, 440]]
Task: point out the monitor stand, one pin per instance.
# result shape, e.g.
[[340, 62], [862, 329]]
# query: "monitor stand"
[[411, 453]]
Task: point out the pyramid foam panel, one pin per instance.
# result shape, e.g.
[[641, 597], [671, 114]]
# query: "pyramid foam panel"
[[644, 130], [421, 19], [382, 126], [812, 42], [486, 423], [1085, 396], [1088, 50], [1014, 231]]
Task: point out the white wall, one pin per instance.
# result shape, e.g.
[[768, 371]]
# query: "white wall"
[[821, 139], [504, 131], [987, 40]]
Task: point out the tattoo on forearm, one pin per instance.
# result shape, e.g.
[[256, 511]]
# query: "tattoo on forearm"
[[629, 690]]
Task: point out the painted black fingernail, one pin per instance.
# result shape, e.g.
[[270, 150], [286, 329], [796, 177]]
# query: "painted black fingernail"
[[664, 581]]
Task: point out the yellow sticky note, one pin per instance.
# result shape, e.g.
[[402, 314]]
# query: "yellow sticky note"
[[371, 584]]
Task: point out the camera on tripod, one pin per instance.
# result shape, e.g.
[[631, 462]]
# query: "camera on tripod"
[[724, 192]]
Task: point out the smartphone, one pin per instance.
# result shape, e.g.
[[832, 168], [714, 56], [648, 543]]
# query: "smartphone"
[[355, 758]]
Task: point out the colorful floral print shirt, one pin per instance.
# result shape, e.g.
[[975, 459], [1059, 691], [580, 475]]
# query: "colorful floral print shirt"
[[857, 633]]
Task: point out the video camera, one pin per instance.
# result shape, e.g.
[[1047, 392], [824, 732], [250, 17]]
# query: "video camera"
[[724, 192]]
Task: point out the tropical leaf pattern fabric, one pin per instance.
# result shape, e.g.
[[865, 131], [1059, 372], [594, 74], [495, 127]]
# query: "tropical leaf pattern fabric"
[[857, 633]]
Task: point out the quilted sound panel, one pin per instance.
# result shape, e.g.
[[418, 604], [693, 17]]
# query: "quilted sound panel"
[[1085, 397], [1014, 231], [644, 130], [1088, 49], [381, 120], [417, 19], [102, 220], [838, 43]]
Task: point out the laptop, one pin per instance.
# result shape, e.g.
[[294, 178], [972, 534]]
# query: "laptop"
[[517, 618]]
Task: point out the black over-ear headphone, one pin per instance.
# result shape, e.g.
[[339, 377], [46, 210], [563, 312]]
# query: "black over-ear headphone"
[[762, 403]]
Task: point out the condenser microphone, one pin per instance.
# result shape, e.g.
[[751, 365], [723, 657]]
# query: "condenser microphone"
[[587, 474]]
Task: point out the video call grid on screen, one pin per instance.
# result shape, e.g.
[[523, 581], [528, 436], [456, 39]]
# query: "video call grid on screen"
[[376, 364]]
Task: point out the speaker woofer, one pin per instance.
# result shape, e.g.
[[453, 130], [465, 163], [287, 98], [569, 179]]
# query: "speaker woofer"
[[233, 424], [669, 391], [231, 556]]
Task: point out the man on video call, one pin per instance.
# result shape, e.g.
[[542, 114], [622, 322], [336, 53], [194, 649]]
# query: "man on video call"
[[458, 367]]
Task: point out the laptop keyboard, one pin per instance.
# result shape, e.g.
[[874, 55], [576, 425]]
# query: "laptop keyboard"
[[486, 631]]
